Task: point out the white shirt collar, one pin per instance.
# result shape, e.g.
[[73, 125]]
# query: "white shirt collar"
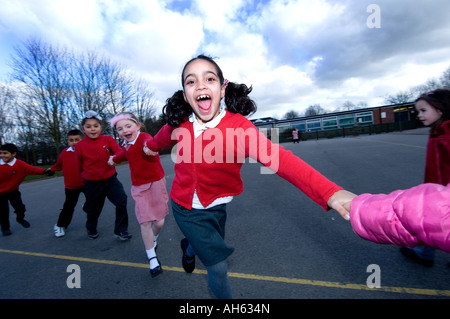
[[199, 128], [10, 163], [132, 142], [70, 149]]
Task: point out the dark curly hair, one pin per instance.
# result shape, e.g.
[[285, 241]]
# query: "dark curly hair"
[[177, 110]]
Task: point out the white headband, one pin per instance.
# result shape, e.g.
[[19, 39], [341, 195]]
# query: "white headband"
[[92, 114]]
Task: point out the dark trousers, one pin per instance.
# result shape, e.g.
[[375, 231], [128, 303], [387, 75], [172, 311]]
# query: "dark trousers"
[[97, 192], [15, 199], [72, 195]]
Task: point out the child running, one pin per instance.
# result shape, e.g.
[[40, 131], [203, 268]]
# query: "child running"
[[213, 141], [13, 172], [73, 183], [100, 179], [148, 183], [433, 111]]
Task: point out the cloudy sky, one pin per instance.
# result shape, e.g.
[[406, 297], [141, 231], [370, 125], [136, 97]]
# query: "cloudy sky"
[[293, 52]]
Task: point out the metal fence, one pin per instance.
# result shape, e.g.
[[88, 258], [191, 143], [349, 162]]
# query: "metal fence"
[[286, 134]]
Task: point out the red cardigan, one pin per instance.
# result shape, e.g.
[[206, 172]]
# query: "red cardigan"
[[12, 176], [92, 157], [437, 169], [217, 173], [67, 163], [144, 169]]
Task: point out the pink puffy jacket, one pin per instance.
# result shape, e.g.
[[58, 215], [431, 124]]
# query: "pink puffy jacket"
[[419, 216]]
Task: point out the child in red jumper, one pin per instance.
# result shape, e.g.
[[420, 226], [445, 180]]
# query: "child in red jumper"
[[12, 173], [73, 183], [433, 111], [100, 179], [148, 183], [213, 142]]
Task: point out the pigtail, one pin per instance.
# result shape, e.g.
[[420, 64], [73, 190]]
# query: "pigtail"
[[237, 99], [176, 110]]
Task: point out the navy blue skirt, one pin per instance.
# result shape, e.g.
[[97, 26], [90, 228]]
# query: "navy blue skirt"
[[205, 231]]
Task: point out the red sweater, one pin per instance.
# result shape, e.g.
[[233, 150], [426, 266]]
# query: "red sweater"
[[12, 176], [67, 163], [217, 173], [92, 157], [437, 169], [144, 169]]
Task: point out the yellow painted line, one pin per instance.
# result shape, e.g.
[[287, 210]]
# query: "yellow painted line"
[[307, 282]]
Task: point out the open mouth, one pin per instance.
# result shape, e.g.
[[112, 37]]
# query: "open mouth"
[[204, 102], [128, 136]]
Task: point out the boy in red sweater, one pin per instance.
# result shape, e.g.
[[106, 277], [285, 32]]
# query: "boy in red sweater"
[[12, 173], [73, 183]]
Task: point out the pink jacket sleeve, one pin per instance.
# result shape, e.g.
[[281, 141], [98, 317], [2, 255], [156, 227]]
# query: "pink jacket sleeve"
[[419, 216]]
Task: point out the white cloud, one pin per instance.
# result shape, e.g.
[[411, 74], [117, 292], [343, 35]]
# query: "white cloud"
[[294, 53]]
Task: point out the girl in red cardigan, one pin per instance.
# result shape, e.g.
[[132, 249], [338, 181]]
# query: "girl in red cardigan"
[[434, 111], [213, 141], [148, 183], [100, 179]]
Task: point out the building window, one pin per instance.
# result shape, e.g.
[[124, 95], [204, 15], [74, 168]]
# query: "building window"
[[346, 120], [329, 123], [313, 125], [364, 118]]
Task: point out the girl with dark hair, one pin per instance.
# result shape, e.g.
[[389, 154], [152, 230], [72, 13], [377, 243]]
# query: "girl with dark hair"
[[213, 139], [434, 111]]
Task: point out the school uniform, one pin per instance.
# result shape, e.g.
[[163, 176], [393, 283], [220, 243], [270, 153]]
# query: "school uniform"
[[100, 181], [147, 178], [73, 184], [12, 174], [203, 186]]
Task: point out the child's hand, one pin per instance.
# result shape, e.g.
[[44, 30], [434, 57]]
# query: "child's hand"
[[148, 151], [110, 161], [347, 206], [340, 201], [49, 172]]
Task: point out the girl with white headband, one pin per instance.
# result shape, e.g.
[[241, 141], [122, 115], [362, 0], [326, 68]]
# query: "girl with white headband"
[[100, 179]]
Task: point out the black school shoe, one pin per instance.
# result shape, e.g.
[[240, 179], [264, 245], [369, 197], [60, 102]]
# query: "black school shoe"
[[8, 233], [188, 262], [23, 222], [157, 270], [123, 236]]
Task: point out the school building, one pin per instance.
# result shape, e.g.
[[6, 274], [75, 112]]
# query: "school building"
[[388, 118]]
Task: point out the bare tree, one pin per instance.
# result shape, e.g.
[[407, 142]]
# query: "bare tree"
[[40, 69], [348, 106], [314, 109], [445, 78], [86, 87], [291, 115], [144, 105], [400, 97], [6, 102]]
